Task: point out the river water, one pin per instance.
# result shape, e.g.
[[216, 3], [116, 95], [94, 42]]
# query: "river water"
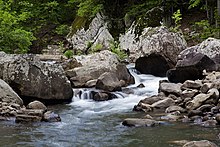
[[86, 123]]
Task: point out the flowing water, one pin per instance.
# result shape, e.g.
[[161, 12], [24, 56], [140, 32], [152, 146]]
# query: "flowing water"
[[86, 123]]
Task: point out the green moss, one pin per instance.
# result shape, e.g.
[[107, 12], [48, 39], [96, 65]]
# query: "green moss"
[[78, 23]]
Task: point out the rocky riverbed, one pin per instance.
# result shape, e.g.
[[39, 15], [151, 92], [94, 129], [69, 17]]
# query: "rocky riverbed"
[[190, 94]]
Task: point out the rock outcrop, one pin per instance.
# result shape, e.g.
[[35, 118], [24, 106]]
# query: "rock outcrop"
[[193, 60], [154, 50], [32, 78], [97, 68], [85, 39]]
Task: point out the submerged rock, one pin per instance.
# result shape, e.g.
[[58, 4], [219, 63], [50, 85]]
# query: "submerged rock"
[[202, 143], [130, 122], [50, 116]]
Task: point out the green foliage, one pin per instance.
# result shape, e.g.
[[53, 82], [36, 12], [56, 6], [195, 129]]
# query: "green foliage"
[[177, 17], [96, 48], [203, 30], [62, 29], [68, 54], [194, 3], [13, 37], [115, 48], [87, 8]]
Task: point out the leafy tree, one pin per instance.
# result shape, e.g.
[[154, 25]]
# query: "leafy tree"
[[13, 37], [87, 8]]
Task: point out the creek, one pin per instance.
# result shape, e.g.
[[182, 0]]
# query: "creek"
[[86, 123]]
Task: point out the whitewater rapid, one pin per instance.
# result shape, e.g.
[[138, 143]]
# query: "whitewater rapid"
[[124, 102]]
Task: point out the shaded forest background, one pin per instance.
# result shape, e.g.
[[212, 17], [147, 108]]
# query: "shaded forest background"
[[29, 26]]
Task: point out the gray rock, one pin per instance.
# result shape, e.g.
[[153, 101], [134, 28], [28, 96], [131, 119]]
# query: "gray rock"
[[91, 83], [8, 95], [174, 116], [30, 77], [37, 105], [170, 88], [193, 113], [209, 47], [50, 116], [202, 143], [190, 57], [197, 101], [152, 99], [209, 123], [217, 118], [189, 93], [205, 87], [192, 84], [31, 112], [180, 75], [94, 65], [27, 118], [175, 108], [70, 64], [97, 33], [163, 103], [153, 40], [101, 96], [139, 122], [108, 82], [214, 93], [205, 108], [144, 107]]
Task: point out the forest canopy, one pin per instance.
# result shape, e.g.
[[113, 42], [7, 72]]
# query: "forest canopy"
[[29, 25]]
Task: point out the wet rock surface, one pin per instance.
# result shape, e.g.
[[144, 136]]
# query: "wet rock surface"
[[193, 101]]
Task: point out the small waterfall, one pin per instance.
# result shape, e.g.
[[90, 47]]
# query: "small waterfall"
[[123, 101], [134, 73], [82, 93]]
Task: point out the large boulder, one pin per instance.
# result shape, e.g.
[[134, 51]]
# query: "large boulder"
[[32, 78], [193, 60], [10, 102], [157, 47], [180, 75], [8, 95], [94, 65], [108, 82], [84, 39]]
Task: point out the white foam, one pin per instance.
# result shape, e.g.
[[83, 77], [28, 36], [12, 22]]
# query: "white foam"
[[124, 102]]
